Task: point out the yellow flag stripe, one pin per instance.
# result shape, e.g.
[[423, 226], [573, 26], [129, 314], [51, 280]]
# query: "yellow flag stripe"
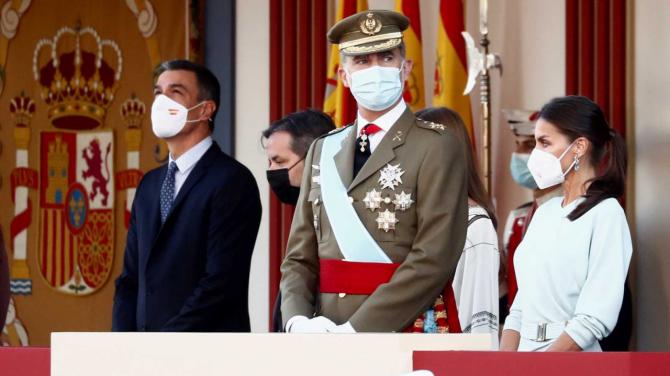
[[450, 80]]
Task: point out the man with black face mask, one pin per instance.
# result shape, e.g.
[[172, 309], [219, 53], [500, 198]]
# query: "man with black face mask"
[[286, 144]]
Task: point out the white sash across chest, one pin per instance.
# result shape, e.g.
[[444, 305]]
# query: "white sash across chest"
[[353, 239]]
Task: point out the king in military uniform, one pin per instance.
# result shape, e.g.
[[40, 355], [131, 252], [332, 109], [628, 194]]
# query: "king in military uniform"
[[381, 219]]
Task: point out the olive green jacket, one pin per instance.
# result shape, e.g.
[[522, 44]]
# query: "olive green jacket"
[[427, 241]]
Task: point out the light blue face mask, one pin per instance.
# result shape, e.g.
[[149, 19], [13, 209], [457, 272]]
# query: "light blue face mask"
[[377, 88], [520, 173]]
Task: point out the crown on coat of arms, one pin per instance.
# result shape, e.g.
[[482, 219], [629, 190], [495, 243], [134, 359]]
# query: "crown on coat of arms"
[[132, 111], [22, 109], [77, 84]]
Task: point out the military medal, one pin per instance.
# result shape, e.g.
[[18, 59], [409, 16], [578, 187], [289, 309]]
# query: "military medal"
[[390, 176], [373, 200], [365, 135], [386, 220], [403, 201], [364, 142]]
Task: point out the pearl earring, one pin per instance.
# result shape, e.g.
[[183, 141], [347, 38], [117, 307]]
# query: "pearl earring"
[[576, 163]]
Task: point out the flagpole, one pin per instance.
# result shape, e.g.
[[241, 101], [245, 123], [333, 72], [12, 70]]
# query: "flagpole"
[[485, 94], [480, 63]]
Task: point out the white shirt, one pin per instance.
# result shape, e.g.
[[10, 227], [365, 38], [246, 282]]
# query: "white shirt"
[[385, 122], [187, 161], [475, 282], [572, 272]]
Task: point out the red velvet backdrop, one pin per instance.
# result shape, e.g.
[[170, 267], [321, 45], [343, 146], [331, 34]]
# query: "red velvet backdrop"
[[297, 81], [595, 63]]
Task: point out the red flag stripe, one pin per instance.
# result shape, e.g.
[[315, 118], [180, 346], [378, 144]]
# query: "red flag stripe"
[[410, 8], [451, 12]]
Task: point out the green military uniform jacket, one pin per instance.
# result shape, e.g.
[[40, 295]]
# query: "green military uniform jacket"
[[427, 241]]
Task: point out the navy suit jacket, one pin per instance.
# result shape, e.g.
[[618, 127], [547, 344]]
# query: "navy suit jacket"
[[191, 273]]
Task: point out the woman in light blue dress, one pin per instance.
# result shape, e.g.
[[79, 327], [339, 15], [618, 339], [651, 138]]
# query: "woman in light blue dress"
[[572, 263]]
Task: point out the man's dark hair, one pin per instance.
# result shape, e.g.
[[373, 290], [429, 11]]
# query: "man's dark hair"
[[208, 85], [304, 127]]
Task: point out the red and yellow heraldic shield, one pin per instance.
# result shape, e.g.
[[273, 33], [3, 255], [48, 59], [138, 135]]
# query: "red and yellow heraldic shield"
[[76, 249]]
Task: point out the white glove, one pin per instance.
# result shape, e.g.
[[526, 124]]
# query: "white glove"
[[345, 328], [301, 324]]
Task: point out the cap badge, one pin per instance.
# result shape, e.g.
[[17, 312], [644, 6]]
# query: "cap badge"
[[371, 25]]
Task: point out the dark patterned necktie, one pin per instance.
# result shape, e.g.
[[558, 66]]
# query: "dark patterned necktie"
[[363, 146], [167, 191]]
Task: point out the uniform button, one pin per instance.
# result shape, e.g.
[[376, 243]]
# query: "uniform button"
[[351, 199]]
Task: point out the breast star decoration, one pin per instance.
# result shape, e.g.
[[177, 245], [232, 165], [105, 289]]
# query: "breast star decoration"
[[391, 176], [373, 200], [386, 220], [403, 201]]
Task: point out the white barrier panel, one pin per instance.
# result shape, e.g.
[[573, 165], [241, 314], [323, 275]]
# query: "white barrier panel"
[[205, 354]]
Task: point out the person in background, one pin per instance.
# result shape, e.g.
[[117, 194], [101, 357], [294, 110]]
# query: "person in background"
[[194, 220], [572, 263], [286, 143], [475, 284], [522, 125]]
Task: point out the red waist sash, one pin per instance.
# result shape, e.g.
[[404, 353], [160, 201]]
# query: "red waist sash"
[[363, 278], [358, 278]]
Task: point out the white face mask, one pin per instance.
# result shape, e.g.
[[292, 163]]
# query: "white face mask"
[[168, 117], [376, 88], [546, 168]]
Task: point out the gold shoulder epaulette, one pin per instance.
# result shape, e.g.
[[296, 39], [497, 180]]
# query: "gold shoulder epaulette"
[[439, 128]]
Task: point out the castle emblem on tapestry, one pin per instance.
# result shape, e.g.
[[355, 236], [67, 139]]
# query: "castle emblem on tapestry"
[[78, 74]]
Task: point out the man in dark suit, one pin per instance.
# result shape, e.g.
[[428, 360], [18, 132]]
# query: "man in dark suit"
[[194, 220]]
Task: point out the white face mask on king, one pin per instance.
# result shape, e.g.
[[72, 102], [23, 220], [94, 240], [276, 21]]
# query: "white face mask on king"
[[168, 117], [376, 88]]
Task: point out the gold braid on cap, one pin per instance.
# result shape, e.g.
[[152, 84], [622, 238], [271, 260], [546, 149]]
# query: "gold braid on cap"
[[375, 47], [374, 38]]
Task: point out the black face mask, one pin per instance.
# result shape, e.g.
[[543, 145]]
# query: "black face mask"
[[281, 185]]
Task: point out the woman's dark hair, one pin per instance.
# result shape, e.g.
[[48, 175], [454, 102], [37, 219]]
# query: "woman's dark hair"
[[304, 127], [453, 121], [577, 116]]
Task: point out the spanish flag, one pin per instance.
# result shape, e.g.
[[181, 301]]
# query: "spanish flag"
[[415, 93], [451, 72], [338, 102]]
